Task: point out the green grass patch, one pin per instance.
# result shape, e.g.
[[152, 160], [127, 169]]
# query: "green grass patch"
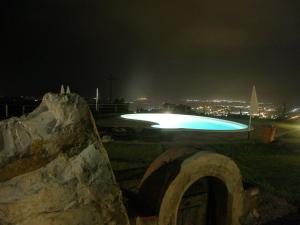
[[273, 167], [125, 156]]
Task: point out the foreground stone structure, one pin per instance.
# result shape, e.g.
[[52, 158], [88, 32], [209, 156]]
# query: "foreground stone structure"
[[201, 165], [206, 178], [54, 169]]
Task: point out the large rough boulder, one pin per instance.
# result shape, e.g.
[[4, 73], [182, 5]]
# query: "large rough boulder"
[[54, 169]]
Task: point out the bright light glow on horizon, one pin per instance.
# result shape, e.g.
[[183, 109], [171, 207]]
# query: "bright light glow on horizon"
[[142, 99]]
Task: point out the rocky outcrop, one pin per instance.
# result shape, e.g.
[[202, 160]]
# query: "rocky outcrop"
[[54, 169]]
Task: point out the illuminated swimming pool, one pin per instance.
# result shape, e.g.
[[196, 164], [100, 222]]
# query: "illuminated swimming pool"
[[178, 121]]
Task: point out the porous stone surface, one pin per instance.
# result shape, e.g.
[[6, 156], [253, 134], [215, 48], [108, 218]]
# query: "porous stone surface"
[[54, 169]]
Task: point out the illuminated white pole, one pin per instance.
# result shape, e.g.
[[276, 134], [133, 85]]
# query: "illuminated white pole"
[[62, 89], [253, 108], [68, 90], [97, 100]]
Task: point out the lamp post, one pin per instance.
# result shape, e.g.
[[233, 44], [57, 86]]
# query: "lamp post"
[[97, 99]]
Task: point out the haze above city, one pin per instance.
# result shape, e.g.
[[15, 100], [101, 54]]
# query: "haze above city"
[[156, 49]]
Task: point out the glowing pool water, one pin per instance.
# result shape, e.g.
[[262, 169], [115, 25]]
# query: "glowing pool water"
[[178, 121]]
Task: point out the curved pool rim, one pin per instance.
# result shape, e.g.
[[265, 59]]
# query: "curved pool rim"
[[156, 125]]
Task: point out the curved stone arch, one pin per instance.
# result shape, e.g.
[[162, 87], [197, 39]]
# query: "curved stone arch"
[[166, 157], [198, 166]]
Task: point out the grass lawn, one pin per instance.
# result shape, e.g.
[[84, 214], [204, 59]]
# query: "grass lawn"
[[125, 156], [274, 168]]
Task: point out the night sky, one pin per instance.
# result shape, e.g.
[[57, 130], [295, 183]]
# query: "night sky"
[[167, 50]]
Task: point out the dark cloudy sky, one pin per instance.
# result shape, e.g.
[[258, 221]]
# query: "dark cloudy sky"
[[159, 49]]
